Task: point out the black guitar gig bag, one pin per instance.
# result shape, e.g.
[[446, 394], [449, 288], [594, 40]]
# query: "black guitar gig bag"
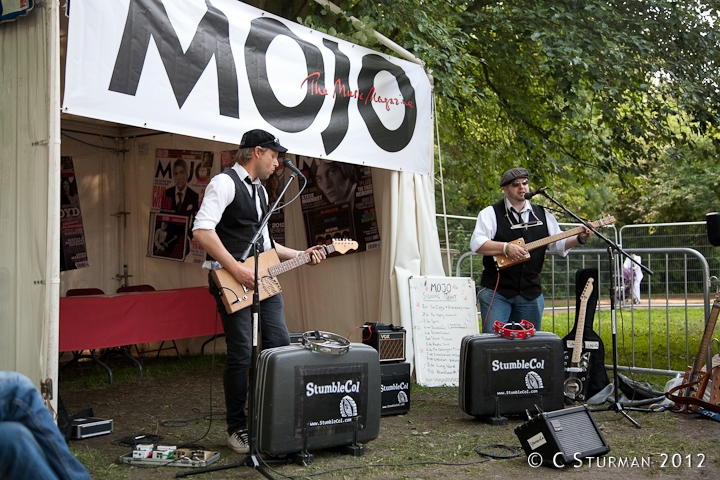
[[596, 377]]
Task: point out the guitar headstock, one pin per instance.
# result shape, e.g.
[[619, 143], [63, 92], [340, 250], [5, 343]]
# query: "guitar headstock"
[[609, 220], [343, 245], [587, 291]]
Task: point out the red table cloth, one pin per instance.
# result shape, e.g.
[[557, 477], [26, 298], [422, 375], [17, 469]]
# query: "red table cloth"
[[104, 321]]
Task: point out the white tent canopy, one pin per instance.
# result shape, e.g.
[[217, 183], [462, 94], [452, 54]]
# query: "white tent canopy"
[[113, 163]]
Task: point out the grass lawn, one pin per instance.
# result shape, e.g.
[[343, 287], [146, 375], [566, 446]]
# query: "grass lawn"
[[647, 338]]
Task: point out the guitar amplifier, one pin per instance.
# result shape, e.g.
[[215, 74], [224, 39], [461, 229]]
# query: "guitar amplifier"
[[562, 437], [712, 225], [308, 400], [388, 340], [504, 376]]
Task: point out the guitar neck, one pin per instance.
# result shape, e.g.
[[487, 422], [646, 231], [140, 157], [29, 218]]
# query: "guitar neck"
[[705, 343], [580, 326], [301, 259], [554, 238], [577, 346]]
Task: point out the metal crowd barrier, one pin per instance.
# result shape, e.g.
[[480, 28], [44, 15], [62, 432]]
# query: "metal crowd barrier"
[[681, 280]]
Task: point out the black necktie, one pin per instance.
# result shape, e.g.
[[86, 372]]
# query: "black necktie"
[[517, 215], [263, 203]]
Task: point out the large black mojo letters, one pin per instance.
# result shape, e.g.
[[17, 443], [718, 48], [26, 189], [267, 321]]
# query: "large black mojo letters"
[[148, 18]]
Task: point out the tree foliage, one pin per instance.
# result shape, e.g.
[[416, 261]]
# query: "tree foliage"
[[592, 96]]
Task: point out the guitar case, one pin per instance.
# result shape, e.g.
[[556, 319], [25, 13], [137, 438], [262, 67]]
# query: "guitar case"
[[307, 400], [596, 376]]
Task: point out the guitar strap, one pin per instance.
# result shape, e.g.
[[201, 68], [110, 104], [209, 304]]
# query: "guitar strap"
[[683, 400]]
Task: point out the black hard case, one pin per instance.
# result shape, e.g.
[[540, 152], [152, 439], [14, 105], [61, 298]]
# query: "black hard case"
[[395, 388], [510, 375], [307, 400]]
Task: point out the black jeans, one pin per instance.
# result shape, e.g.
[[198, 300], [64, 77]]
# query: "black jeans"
[[238, 338]]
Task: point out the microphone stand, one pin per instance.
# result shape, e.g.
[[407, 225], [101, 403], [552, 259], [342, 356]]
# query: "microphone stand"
[[612, 247], [253, 459]]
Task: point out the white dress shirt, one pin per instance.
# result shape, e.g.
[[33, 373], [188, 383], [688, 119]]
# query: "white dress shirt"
[[220, 193]]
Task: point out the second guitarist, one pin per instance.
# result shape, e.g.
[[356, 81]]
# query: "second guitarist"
[[515, 293], [231, 212]]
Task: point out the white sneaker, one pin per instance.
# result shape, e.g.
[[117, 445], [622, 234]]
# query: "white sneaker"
[[238, 442]]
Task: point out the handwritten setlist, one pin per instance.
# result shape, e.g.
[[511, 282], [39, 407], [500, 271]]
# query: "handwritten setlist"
[[443, 312]]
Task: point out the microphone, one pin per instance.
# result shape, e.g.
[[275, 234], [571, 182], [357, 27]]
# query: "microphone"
[[529, 195], [288, 164]]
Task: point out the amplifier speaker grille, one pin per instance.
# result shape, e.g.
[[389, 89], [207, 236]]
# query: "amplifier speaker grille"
[[562, 437], [388, 340], [392, 349]]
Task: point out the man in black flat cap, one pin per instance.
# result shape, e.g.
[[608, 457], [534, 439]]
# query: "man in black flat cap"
[[514, 293], [233, 207]]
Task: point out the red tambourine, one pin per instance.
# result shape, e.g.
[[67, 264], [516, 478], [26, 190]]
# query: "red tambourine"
[[524, 329]]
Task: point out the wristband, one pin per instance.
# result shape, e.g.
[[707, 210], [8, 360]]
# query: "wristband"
[[297, 254], [580, 241], [505, 245]]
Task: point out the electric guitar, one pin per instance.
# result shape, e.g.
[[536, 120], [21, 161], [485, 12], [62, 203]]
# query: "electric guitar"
[[236, 296], [695, 381], [503, 261], [575, 386]]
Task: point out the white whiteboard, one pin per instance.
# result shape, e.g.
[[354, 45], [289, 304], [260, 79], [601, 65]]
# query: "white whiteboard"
[[443, 312]]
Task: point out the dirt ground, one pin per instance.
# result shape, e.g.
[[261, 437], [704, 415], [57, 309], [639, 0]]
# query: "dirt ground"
[[434, 439]]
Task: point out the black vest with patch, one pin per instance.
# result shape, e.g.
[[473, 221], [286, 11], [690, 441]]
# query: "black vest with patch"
[[239, 221], [524, 278]]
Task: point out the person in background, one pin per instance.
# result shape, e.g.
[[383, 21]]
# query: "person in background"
[[635, 278], [515, 293], [231, 213], [31, 445]]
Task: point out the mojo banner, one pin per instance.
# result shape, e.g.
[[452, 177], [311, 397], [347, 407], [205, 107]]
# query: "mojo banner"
[[215, 69]]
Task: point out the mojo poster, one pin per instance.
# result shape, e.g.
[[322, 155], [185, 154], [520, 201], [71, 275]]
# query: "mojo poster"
[[180, 179], [338, 203], [73, 251]]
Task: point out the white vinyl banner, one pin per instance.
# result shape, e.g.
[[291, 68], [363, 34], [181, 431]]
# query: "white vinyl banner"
[[217, 68]]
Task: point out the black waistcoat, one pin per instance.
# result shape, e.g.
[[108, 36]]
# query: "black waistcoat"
[[524, 278], [239, 221]]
